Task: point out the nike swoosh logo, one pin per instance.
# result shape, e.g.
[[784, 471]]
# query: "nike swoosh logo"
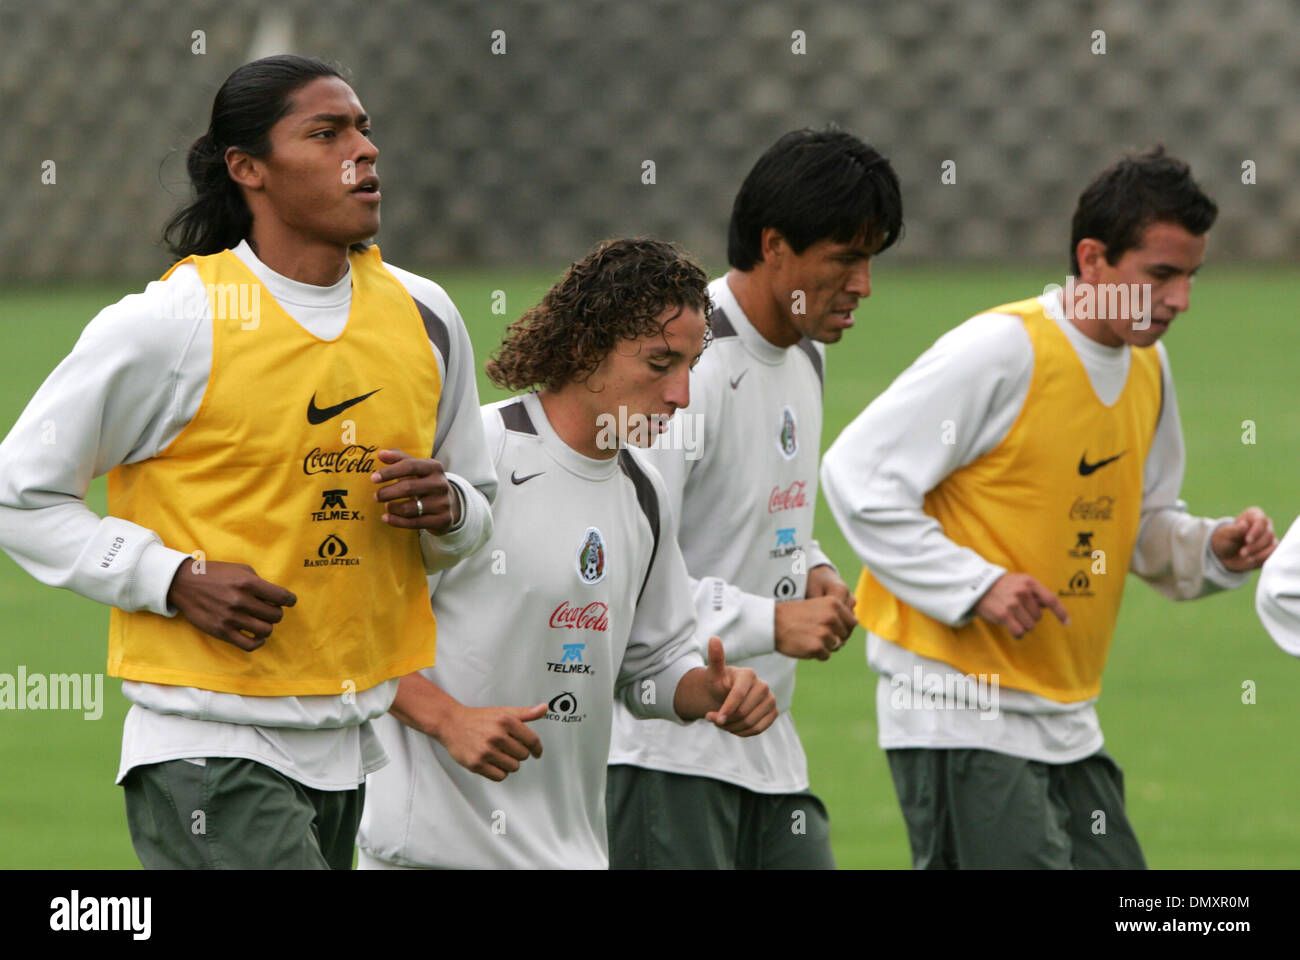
[[735, 383], [317, 414], [1086, 468], [516, 480]]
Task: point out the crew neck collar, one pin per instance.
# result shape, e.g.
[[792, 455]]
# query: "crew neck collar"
[[757, 344], [1053, 305], [296, 292], [561, 452]]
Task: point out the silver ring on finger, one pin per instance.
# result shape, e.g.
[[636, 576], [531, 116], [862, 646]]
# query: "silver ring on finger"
[[419, 507]]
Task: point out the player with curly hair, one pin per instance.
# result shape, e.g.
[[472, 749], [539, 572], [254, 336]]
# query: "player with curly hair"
[[580, 598]]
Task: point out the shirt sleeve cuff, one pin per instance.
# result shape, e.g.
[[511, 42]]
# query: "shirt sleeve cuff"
[[460, 505], [816, 558], [667, 681], [755, 629], [154, 572], [974, 594]]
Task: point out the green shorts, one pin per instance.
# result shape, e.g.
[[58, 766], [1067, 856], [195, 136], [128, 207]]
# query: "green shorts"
[[978, 809], [670, 821], [236, 814]]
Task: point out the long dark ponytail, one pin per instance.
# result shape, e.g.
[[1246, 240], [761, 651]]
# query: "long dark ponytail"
[[246, 107]]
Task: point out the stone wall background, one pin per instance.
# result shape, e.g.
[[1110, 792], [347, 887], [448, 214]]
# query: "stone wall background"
[[530, 156]]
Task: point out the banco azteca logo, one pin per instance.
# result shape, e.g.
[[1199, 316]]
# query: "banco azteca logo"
[[1079, 586], [332, 552], [563, 708], [591, 557]]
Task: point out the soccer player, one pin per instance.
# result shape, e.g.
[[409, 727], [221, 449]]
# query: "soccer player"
[[741, 471], [580, 597], [266, 414], [998, 492]]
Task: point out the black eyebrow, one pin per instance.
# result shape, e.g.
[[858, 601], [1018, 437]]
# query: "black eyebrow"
[[337, 118]]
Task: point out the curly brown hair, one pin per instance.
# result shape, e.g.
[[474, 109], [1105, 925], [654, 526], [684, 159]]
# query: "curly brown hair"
[[618, 291]]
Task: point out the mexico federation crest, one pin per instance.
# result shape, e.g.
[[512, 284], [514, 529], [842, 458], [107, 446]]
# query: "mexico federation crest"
[[591, 557], [787, 441]]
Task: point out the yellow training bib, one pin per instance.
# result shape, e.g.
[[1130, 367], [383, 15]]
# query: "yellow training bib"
[[1060, 498], [274, 472]]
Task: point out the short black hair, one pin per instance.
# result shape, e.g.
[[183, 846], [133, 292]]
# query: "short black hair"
[[248, 105], [1133, 193], [813, 185]]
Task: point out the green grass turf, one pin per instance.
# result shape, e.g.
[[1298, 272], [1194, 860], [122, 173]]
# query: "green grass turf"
[[1210, 780]]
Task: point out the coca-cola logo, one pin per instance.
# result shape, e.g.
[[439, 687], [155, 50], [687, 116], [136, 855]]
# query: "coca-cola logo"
[[593, 616], [1085, 509], [354, 458], [790, 498]]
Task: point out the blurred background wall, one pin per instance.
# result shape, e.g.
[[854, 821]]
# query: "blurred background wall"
[[529, 156]]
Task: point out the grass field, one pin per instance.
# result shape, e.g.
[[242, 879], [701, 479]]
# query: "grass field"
[[1210, 780]]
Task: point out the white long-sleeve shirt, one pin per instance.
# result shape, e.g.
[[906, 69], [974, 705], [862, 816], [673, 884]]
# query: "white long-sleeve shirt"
[[532, 618], [972, 383], [740, 466], [131, 384], [1277, 599]]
